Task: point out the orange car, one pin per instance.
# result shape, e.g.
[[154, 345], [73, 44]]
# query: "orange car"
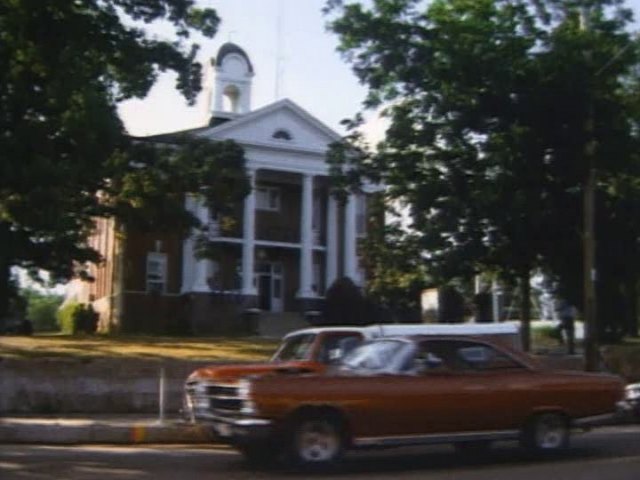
[[411, 390], [314, 349]]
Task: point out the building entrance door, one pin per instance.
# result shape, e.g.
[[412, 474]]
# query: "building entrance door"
[[269, 283]]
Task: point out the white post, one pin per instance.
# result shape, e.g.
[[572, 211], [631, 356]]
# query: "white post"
[[350, 243], [495, 300], [161, 395], [306, 227], [248, 238], [200, 283], [332, 241]]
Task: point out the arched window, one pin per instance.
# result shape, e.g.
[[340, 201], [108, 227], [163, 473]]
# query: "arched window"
[[282, 134], [231, 99]]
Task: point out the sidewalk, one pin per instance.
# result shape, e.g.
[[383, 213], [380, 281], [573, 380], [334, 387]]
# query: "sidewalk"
[[111, 429]]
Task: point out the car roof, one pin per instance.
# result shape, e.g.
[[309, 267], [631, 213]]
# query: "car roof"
[[385, 330]]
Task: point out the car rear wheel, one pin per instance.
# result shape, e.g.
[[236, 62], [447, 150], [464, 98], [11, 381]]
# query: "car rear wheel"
[[317, 442], [547, 432]]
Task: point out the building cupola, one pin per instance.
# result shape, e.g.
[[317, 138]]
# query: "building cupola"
[[233, 76]]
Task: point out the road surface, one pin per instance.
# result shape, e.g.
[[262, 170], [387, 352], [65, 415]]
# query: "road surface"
[[611, 453]]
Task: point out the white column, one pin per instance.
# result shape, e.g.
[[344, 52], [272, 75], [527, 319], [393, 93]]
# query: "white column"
[[202, 267], [306, 226], [248, 238], [332, 241], [350, 241], [187, 250]]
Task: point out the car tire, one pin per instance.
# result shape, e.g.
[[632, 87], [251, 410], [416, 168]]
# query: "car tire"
[[547, 433], [316, 442]]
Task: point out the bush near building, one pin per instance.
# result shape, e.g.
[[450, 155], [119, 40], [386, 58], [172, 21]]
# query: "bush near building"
[[76, 318]]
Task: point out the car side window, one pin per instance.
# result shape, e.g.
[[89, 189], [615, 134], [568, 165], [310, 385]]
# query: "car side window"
[[377, 356], [461, 356], [434, 357], [484, 358], [335, 347]]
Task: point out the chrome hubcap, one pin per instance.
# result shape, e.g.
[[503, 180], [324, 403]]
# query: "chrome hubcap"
[[550, 432], [317, 441]]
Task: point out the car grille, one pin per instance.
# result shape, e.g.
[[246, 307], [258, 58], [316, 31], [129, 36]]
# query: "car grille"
[[208, 398]]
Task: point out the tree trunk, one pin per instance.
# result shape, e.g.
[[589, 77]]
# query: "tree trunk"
[[633, 310], [525, 310], [5, 273]]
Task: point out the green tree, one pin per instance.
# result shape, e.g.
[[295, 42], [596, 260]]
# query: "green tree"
[[487, 101], [42, 309], [394, 263], [64, 66]]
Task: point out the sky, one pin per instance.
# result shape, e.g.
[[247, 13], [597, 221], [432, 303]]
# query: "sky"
[[313, 74]]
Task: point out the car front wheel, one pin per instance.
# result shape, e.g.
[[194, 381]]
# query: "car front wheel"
[[317, 442], [547, 432]]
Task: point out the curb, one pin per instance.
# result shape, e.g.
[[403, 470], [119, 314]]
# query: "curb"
[[83, 431]]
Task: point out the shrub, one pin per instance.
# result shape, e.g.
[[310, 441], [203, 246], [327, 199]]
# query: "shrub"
[[76, 318], [483, 310], [66, 323], [451, 306], [344, 304]]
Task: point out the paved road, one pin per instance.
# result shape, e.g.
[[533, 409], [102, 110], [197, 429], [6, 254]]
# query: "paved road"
[[610, 454]]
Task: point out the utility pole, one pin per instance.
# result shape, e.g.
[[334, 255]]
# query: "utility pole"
[[591, 355]]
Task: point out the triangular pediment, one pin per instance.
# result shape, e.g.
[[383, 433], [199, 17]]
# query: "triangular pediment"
[[282, 124]]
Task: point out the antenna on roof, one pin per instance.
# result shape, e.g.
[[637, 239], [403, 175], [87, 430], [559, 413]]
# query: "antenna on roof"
[[279, 57]]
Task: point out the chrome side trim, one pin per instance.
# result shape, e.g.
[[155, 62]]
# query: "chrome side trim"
[[402, 440], [235, 422], [596, 420]]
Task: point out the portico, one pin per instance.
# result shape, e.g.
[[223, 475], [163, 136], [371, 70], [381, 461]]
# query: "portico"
[[290, 239], [321, 248]]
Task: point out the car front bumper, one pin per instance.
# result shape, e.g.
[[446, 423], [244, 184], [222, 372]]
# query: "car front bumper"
[[227, 428], [237, 430]]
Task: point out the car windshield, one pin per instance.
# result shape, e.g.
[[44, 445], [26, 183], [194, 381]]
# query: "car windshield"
[[378, 356], [297, 347]]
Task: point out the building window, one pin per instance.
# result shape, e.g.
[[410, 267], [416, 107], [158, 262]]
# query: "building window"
[[282, 134], [268, 198], [156, 272]]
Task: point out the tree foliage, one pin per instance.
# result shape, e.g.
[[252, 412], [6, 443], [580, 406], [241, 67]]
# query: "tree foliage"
[[64, 66], [487, 102], [393, 261], [42, 309]]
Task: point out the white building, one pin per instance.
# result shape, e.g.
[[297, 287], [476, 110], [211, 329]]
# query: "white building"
[[291, 240]]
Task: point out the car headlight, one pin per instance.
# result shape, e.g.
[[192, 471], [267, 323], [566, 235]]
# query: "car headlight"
[[632, 392], [244, 392], [244, 389]]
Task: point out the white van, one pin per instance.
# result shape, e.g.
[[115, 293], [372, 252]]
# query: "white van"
[[327, 344]]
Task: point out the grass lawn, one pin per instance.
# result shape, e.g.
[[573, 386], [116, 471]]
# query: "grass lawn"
[[137, 346]]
